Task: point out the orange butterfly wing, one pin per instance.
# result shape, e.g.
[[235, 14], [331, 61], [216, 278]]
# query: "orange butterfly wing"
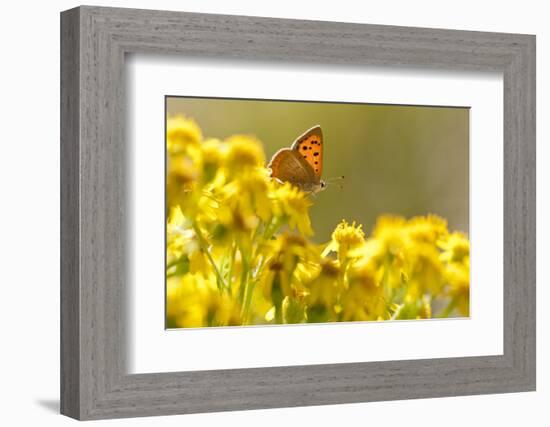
[[288, 165], [310, 146]]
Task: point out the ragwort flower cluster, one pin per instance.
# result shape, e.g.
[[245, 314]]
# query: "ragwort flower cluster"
[[238, 249]]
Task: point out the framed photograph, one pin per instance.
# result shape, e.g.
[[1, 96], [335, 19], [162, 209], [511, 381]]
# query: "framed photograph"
[[251, 241], [261, 213]]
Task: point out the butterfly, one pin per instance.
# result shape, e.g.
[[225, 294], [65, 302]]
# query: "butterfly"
[[302, 163]]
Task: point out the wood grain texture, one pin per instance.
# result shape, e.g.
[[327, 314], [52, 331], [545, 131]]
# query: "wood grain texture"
[[94, 270], [70, 290]]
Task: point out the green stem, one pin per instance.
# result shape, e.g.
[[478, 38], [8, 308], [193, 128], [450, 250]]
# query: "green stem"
[[231, 266], [248, 285], [245, 311], [204, 247], [244, 275], [173, 263], [272, 228], [449, 309]]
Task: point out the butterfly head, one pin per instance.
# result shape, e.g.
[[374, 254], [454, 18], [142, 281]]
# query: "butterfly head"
[[317, 187], [311, 187]]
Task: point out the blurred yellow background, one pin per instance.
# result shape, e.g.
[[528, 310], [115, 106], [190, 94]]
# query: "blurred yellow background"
[[396, 159]]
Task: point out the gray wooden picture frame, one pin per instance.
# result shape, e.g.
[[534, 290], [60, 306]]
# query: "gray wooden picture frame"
[[94, 42]]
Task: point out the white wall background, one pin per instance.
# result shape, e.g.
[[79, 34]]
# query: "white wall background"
[[29, 214]]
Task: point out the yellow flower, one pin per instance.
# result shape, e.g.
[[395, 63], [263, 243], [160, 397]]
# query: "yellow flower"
[[455, 256], [281, 275], [458, 276], [456, 247], [292, 205], [294, 248], [183, 169], [390, 247], [324, 292], [346, 238], [323, 288], [244, 152], [181, 132], [348, 235], [248, 197], [224, 310], [427, 228], [183, 251], [365, 298], [180, 239], [194, 301], [184, 163], [213, 151], [391, 234], [187, 299], [425, 274], [270, 275]]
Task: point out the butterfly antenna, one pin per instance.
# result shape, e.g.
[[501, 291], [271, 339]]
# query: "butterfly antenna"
[[332, 181]]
